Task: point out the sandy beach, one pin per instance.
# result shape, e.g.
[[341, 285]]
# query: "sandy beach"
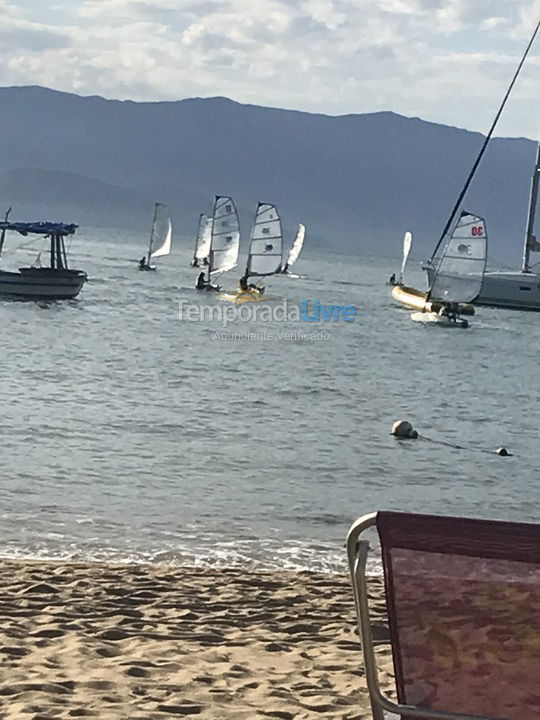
[[110, 642]]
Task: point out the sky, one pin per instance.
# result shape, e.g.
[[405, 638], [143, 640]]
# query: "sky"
[[446, 61]]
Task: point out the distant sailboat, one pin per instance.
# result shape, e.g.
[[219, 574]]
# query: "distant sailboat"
[[459, 274], [203, 241], [296, 247], [407, 244], [160, 237], [224, 242]]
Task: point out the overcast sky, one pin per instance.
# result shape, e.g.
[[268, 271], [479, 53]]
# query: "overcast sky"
[[443, 60]]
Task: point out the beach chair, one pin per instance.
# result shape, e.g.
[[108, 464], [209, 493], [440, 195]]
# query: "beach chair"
[[463, 601]]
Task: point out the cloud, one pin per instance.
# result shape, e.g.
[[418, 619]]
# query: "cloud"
[[444, 60]]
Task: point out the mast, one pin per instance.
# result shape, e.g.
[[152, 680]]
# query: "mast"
[[484, 145], [3, 234], [530, 240], [251, 239], [197, 236], [152, 234], [211, 252]]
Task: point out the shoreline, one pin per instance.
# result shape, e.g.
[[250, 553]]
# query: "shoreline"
[[108, 640]]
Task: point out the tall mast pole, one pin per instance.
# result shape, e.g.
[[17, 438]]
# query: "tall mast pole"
[[152, 234], [484, 145], [3, 235], [530, 239]]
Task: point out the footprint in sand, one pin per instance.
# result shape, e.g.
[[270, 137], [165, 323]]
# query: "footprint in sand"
[[186, 709]]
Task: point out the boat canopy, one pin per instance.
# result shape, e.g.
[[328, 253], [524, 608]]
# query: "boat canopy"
[[39, 228]]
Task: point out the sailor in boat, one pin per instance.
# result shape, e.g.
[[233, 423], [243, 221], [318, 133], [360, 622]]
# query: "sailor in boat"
[[194, 262], [203, 284], [142, 263], [392, 279], [251, 287], [451, 311]]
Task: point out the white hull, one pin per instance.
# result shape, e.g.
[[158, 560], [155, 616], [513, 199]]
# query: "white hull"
[[508, 289], [42, 283], [436, 319]]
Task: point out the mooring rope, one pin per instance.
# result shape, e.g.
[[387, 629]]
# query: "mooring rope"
[[403, 430]]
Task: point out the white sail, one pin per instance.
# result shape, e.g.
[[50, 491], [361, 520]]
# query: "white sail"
[[460, 272], [225, 236], [266, 246], [407, 244], [204, 237], [294, 252], [161, 237]]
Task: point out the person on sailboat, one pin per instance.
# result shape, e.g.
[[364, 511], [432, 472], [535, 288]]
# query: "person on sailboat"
[[245, 287], [392, 280], [201, 282], [142, 263], [194, 262]]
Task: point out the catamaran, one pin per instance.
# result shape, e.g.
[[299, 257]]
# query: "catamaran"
[[224, 242], [459, 273], [203, 241], [55, 282], [160, 237], [296, 247]]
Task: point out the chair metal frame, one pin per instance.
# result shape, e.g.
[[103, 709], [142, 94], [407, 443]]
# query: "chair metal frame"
[[357, 552]]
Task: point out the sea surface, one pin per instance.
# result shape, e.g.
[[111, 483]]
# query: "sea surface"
[[131, 434]]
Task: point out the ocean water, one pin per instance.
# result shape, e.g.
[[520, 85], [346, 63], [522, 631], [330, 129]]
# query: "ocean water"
[[130, 434]]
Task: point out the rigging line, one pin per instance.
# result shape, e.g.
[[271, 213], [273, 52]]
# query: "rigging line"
[[485, 143], [455, 446]]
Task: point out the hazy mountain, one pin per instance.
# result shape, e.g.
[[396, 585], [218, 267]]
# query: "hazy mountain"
[[356, 181]]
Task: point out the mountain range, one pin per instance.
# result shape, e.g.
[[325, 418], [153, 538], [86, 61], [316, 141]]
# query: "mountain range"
[[356, 181]]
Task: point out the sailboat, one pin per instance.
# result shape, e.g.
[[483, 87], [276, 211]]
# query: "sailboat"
[[160, 237], [203, 241], [407, 244], [224, 242], [459, 273], [514, 289], [518, 289], [296, 247], [265, 254]]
